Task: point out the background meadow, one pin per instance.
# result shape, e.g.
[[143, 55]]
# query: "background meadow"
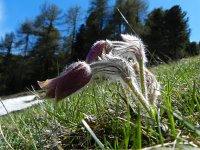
[[53, 125]]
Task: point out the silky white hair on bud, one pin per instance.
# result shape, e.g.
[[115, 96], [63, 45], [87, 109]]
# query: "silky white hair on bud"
[[131, 47], [136, 44], [116, 68], [113, 67], [153, 86]]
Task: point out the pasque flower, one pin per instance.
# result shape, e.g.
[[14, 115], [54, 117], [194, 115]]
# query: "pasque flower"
[[76, 76], [110, 59], [118, 68], [131, 47]]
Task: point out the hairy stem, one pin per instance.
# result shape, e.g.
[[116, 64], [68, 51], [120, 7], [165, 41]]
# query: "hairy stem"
[[142, 78], [140, 97]]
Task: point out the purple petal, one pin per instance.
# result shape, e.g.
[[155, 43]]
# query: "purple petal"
[[97, 49], [74, 78], [48, 84]]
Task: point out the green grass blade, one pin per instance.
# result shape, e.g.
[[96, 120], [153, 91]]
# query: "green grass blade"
[[187, 123], [87, 127]]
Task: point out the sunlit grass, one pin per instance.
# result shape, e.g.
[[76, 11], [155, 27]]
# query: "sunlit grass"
[[103, 106]]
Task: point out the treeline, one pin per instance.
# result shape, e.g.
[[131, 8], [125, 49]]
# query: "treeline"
[[45, 44]]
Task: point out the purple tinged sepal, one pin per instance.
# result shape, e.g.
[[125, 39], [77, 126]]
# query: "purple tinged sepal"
[[76, 76], [98, 49]]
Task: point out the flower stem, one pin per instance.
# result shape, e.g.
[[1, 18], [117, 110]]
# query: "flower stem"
[[142, 78], [140, 97], [139, 130]]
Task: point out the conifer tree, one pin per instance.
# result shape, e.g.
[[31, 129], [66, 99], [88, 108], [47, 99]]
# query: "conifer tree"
[[168, 33], [94, 29], [46, 47], [24, 33]]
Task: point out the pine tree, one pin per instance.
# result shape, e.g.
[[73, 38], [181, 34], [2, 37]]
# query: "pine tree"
[[7, 43], [72, 18], [133, 11], [192, 49], [154, 36], [94, 29], [177, 32], [48, 39], [81, 45], [24, 34], [168, 33]]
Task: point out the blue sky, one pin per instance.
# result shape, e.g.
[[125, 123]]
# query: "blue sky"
[[14, 12]]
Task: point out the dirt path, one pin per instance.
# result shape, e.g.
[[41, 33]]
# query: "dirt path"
[[19, 103]]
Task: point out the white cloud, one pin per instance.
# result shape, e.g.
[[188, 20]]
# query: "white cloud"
[[1, 10], [2, 30]]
